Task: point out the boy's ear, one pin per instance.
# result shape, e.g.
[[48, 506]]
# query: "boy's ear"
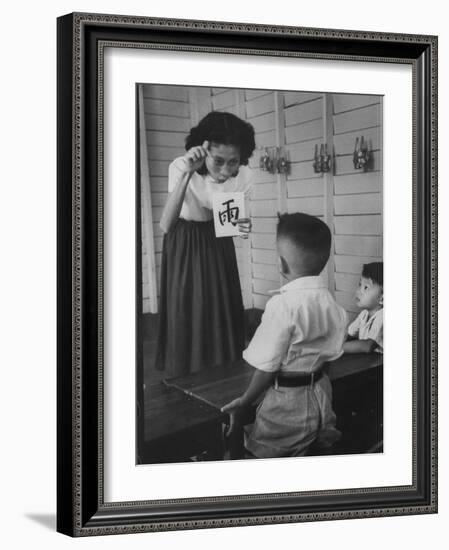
[[284, 266], [381, 300]]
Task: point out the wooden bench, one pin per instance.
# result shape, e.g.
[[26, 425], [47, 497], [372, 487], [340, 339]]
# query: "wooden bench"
[[357, 388]]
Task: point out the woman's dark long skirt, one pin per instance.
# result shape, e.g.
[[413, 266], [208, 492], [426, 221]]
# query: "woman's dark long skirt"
[[201, 321]]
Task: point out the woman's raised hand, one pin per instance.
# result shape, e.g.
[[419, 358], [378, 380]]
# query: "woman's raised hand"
[[196, 156]]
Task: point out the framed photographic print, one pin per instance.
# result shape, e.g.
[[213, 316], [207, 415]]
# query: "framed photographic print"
[[246, 229]]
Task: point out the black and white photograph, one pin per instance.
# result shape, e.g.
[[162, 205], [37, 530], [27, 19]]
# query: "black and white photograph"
[[259, 273]]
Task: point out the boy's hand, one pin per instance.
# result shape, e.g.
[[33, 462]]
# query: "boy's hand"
[[196, 156], [245, 226], [235, 409]]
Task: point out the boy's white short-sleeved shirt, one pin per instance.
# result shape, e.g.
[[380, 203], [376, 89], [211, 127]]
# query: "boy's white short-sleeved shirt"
[[197, 205], [365, 328], [302, 327]]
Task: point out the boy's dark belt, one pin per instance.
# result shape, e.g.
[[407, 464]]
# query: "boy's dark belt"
[[300, 380]]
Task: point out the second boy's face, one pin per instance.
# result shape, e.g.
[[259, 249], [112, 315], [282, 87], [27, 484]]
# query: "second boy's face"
[[369, 294], [223, 161]]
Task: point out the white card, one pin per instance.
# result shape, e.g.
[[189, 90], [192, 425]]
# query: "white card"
[[228, 208]]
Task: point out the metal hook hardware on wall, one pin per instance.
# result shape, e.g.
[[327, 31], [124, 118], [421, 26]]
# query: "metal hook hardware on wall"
[[266, 162], [322, 160], [274, 161], [361, 155], [283, 165]]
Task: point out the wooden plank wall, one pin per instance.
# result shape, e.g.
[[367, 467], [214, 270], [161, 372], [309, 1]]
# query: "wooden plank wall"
[[356, 196], [167, 121], [260, 112], [301, 117], [358, 227], [303, 114]]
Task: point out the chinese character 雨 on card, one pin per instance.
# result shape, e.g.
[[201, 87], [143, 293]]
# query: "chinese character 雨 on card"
[[228, 208]]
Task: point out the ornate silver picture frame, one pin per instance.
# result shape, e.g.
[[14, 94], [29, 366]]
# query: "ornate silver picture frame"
[[83, 509]]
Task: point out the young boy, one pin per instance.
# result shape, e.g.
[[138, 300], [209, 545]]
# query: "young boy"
[[366, 331], [301, 329]]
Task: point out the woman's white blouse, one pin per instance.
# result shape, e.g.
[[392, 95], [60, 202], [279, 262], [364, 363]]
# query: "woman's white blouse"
[[197, 205]]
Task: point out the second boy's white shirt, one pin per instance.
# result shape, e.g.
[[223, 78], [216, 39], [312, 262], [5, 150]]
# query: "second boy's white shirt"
[[197, 205], [365, 327], [302, 327]]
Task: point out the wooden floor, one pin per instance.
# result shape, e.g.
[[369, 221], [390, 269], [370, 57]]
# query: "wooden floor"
[[176, 428]]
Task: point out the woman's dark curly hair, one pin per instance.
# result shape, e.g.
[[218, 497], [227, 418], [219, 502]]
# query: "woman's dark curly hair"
[[224, 129]]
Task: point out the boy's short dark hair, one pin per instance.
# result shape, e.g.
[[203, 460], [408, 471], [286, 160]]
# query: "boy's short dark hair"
[[375, 272], [225, 129], [310, 235]]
